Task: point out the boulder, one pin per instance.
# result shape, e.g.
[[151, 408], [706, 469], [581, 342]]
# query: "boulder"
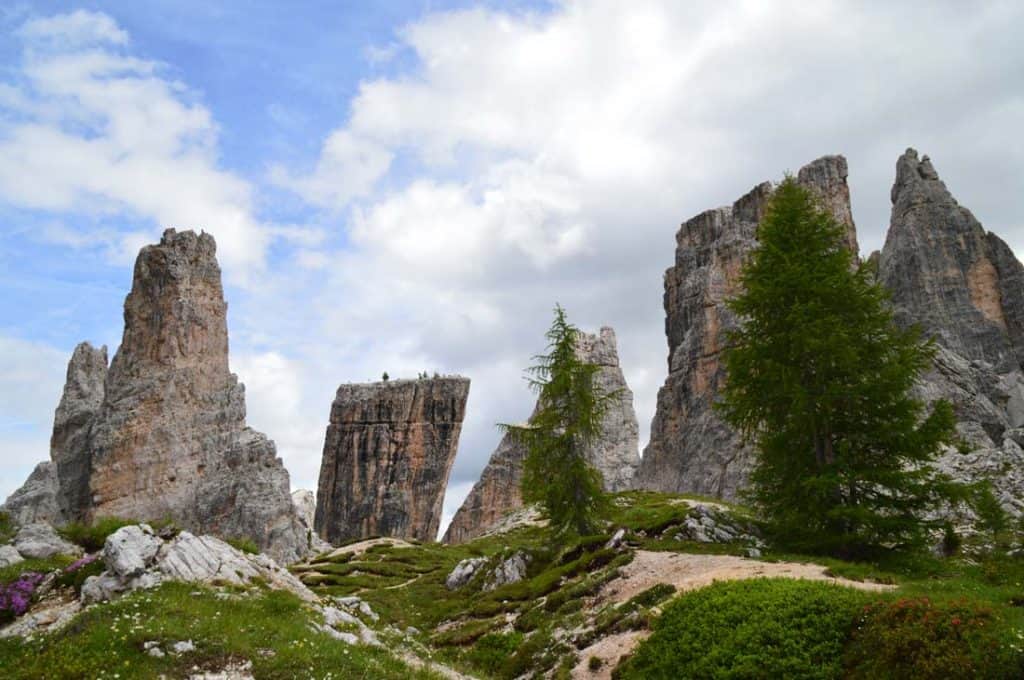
[[9, 555], [464, 572], [40, 541], [510, 570], [130, 550], [36, 499]]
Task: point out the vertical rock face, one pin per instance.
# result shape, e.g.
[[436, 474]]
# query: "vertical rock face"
[[962, 285], [965, 288], [387, 455], [169, 439], [691, 449], [615, 455], [72, 425]]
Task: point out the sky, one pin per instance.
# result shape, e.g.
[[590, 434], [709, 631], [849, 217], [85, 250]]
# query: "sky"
[[412, 185]]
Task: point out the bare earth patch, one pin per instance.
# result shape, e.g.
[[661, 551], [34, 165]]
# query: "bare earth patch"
[[687, 572]]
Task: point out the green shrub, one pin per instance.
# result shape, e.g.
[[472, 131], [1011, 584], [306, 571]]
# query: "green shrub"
[[74, 575], [7, 528], [921, 639], [490, 651], [245, 544], [92, 536], [763, 628], [594, 663]]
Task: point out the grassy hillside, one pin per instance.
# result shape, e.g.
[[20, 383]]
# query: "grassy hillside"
[[956, 617]]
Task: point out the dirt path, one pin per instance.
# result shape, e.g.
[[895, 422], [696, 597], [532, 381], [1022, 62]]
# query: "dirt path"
[[686, 572], [362, 546]]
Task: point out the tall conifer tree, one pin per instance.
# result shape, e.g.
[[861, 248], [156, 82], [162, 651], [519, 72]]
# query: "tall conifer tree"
[[568, 420], [819, 379]]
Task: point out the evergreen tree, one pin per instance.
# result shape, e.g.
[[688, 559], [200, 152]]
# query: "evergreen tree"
[[568, 419], [818, 378]]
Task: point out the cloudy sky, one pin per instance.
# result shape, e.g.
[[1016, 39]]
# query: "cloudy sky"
[[412, 185]]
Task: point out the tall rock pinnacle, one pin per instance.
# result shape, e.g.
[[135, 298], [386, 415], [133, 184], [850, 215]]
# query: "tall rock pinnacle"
[[162, 434], [962, 285], [387, 455], [691, 449], [615, 455]]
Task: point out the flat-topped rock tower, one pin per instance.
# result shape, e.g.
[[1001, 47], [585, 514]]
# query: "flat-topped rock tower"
[[615, 455], [387, 455]]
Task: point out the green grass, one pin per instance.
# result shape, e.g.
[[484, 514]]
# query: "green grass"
[[109, 639], [763, 628], [92, 536]]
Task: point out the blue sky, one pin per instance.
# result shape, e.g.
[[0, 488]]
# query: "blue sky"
[[410, 186]]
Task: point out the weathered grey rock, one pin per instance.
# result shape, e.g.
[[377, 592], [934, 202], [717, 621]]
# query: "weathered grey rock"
[[36, 499], [9, 555], [387, 454], [70, 450], [40, 541], [130, 550], [464, 572], [169, 438], [108, 585], [691, 449], [964, 287], [305, 506], [509, 570], [615, 455], [205, 559]]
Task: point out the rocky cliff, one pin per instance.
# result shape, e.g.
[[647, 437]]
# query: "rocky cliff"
[[615, 455], [965, 288], [162, 433], [691, 449], [387, 454]]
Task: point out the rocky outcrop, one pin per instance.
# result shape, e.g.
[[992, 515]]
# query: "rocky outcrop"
[[387, 455], [72, 425], [36, 499], [691, 449], [162, 433], [965, 288], [615, 455], [962, 285], [40, 541]]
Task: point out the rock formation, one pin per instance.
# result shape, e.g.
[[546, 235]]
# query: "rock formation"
[[387, 454], [691, 449], [615, 455], [965, 288], [162, 433], [36, 499], [72, 425]]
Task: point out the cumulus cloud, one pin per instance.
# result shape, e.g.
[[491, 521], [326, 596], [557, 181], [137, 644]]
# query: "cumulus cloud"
[[31, 380], [87, 128], [542, 156]]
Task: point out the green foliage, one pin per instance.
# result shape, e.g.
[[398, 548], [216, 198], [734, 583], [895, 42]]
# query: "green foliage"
[[568, 419], [244, 544], [107, 640], [819, 378], [92, 536], [951, 541], [917, 638], [72, 577], [594, 663], [492, 650], [991, 515], [764, 628], [7, 528]]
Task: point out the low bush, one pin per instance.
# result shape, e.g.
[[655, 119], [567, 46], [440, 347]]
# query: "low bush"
[[244, 544], [921, 639], [763, 628], [7, 528], [74, 575], [489, 653], [92, 536]]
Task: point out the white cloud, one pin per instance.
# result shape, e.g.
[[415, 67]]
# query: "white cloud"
[[31, 380], [535, 157], [80, 27], [92, 129]]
